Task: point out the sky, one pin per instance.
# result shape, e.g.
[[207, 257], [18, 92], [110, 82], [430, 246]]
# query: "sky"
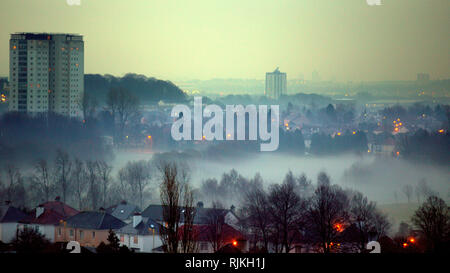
[[204, 39]]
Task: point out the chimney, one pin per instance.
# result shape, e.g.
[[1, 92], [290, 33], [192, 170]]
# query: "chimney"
[[39, 210], [200, 204], [137, 218], [57, 198]]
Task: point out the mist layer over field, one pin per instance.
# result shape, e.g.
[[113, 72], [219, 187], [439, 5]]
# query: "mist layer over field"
[[381, 179]]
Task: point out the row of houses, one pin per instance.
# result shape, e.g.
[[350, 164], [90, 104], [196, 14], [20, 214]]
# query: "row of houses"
[[136, 229]]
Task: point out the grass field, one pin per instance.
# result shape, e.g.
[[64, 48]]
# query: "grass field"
[[399, 212]]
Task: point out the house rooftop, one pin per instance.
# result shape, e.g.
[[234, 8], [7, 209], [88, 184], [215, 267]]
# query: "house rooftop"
[[10, 214], [48, 217], [63, 209], [202, 215], [95, 220], [123, 210], [145, 227]]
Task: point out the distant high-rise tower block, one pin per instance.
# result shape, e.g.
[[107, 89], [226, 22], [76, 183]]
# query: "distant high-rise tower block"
[[46, 73], [275, 84]]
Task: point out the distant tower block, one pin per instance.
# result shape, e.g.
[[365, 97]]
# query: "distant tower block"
[[46, 73], [275, 84]]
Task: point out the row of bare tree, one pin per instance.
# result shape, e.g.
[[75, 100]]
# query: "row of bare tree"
[[295, 211], [422, 191], [86, 185]]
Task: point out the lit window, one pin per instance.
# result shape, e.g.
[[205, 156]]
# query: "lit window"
[[135, 239]]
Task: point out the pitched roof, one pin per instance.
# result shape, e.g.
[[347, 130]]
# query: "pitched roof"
[[60, 207], [48, 217], [95, 220], [202, 215], [143, 228], [9, 214], [154, 212], [123, 210]]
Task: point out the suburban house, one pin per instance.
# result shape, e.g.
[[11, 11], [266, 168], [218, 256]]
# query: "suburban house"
[[89, 228], [141, 235], [9, 221], [202, 215], [47, 216], [382, 144], [123, 211], [229, 234], [207, 238]]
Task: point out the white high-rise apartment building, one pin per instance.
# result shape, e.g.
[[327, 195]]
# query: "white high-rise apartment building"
[[275, 84], [46, 73]]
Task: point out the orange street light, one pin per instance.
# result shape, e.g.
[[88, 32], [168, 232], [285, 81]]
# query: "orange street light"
[[234, 243], [405, 245], [412, 240], [149, 137]]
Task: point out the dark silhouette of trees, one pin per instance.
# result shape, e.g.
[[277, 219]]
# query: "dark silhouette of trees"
[[170, 191], [104, 175], [147, 90], [327, 212], [347, 142], [79, 180], [29, 240], [93, 185], [368, 220], [113, 245], [25, 139], [408, 191], [88, 104], [433, 220], [285, 208], [257, 212], [188, 235], [214, 229], [123, 105], [137, 175], [42, 178], [63, 165]]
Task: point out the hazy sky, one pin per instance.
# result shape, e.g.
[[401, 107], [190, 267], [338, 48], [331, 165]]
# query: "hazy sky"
[[203, 39]]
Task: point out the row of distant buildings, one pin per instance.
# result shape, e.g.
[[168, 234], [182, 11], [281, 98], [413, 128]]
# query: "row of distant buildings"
[[136, 229], [46, 73]]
